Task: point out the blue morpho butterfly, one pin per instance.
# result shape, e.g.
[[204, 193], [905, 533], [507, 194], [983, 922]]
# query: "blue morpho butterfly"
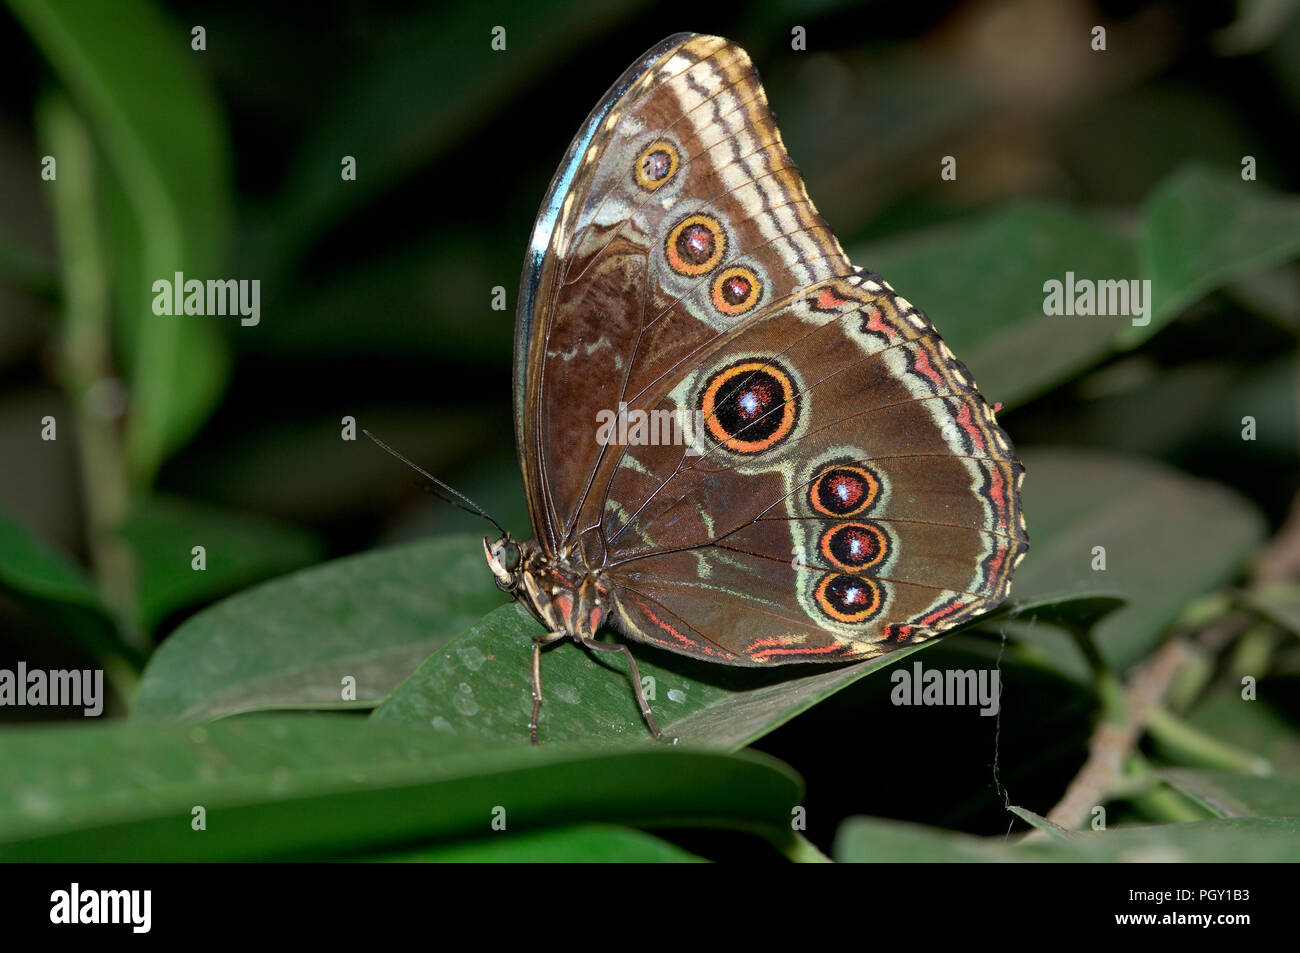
[[833, 486]]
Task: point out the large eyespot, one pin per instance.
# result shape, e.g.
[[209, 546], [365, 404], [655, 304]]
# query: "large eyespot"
[[750, 406], [736, 290], [695, 245], [657, 164], [846, 598], [843, 490], [854, 546]]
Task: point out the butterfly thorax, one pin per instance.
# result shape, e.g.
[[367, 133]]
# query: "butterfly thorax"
[[564, 596]]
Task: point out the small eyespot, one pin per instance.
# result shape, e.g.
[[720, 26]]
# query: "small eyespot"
[[854, 546], [843, 490], [736, 290], [847, 598], [657, 164], [695, 245]]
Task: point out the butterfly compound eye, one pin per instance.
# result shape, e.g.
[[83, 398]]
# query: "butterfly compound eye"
[[510, 556]]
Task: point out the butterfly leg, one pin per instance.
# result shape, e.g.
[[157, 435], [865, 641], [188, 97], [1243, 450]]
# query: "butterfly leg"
[[538, 642], [636, 685]]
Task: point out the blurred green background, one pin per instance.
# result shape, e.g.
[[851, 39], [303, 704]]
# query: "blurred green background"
[[375, 304]]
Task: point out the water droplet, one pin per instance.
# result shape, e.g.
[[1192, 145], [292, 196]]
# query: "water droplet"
[[472, 658], [464, 700]]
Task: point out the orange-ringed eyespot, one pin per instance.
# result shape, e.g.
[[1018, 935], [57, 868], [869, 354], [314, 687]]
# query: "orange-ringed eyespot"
[[657, 164], [750, 406], [843, 490], [695, 245], [735, 290], [847, 598], [854, 546]]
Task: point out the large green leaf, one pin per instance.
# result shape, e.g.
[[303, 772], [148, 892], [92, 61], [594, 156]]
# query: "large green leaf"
[[584, 843], [56, 589], [291, 642], [444, 280], [982, 285], [239, 550], [1237, 795], [869, 839], [1279, 602], [312, 785], [1167, 538], [1251, 725], [400, 110], [474, 692], [167, 191], [1202, 230]]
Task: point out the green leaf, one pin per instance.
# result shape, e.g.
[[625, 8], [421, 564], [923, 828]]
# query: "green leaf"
[[248, 470], [1204, 229], [1068, 611], [239, 550], [1237, 795], [982, 285], [474, 692], [167, 188], [311, 786], [56, 589], [580, 843], [402, 109], [291, 642], [1167, 539], [1037, 821], [1259, 839], [1252, 725], [1278, 602], [881, 840], [444, 280]]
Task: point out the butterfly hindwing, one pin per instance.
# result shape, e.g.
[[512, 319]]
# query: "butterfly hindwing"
[[865, 499]]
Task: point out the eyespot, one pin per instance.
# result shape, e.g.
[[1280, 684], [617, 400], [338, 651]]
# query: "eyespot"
[[847, 598], [695, 245], [750, 406], [854, 546], [657, 164], [736, 290], [843, 490]]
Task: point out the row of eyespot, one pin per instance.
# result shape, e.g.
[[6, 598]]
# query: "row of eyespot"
[[840, 491], [696, 245]]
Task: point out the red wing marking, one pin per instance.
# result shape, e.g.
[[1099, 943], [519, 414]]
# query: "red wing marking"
[[778, 646], [923, 366], [964, 419], [681, 639]]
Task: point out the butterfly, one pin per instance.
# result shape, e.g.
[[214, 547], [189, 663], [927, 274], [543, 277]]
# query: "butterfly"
[[800, 470]]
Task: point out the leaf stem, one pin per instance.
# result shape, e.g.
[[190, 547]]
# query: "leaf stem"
[[85, 362], [1181, 741]]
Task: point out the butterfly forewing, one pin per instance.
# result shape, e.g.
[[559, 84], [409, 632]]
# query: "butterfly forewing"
[[837, 486]]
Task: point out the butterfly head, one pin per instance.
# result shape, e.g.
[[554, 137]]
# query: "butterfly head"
[[506, 560]]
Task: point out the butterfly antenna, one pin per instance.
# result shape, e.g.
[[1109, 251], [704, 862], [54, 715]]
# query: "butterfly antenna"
[[461, 498]]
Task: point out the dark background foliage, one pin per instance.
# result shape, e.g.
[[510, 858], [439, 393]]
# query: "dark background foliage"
[[376, 304]]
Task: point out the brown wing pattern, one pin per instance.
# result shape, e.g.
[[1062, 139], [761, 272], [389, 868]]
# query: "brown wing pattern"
[[870, 502], [836, 485], [686, 179]]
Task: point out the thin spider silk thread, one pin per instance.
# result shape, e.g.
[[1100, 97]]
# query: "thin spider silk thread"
[[997, 735]]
